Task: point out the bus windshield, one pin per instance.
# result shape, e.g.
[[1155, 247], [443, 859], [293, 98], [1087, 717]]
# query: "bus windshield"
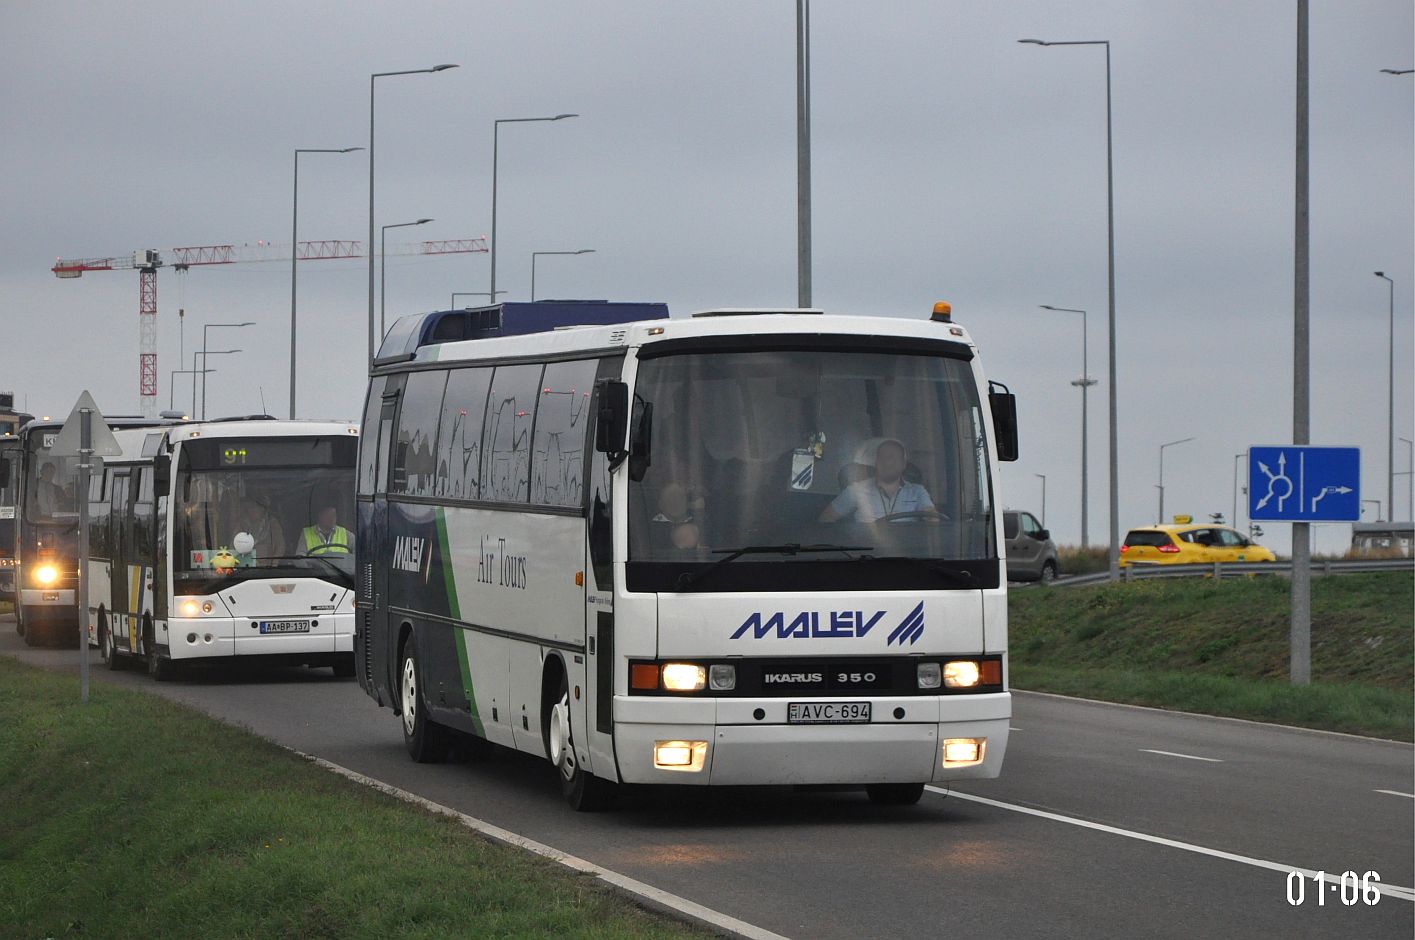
[[253, 508], [798, 454], [51, 481]]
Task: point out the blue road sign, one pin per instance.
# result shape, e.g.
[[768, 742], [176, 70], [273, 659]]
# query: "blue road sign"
[[1304, 484]]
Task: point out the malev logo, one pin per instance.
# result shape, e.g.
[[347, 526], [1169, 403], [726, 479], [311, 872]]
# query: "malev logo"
[[833, 624], [408, 553]]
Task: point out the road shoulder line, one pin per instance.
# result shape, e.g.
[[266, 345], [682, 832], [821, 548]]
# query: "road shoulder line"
[[645, 894], [1394, 891], [1184, 714]]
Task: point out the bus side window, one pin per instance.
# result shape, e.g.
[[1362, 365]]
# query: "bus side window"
[[601, 490], [415, 453], [368, 436], [558, 453], [459, 434], [506, 442]]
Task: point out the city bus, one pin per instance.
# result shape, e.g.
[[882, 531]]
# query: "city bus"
[[47, 534], [9, 500], [225, 540], [741, 548]]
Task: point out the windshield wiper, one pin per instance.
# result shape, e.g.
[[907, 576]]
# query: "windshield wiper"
[[961, 576], [687, 579]]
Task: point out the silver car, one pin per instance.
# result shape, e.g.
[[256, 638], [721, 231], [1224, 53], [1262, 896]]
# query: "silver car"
[[1031, 554]]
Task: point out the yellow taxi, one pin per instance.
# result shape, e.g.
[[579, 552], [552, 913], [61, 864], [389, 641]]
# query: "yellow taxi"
[[1189, 543]]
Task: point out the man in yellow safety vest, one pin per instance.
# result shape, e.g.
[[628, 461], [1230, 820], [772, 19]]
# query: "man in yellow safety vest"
[[326, 536]]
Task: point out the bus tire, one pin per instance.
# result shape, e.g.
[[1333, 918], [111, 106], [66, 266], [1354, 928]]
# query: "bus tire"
[[427, 741], [895, 794], [585, 792], [106, 647], [162, 670], [344, 666]]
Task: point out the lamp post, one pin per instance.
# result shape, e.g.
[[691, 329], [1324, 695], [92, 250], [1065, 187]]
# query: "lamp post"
[[214, 326], [1161, 483], [470, 293], [1110, 279], [537, 254], [371, 82], [172, 391], [204, 370], [383, 267], [1390, 414], [1043, 477], [1409, 472], [1237, 459], [1398, 71], [1084, 382], [295, 254], [495, 147], [803, 153]]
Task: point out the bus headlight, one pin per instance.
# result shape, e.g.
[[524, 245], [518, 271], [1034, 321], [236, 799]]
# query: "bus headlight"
[[961, 674], [722, 677], [963, 752], [192, 607], [46, 575], [684, 677], [929, 677]]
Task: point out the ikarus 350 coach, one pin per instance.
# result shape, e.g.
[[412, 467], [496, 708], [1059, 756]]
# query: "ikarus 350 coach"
[[746, 547]]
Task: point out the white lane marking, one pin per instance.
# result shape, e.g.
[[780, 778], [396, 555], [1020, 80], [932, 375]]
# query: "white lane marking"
[[1013, 728], [1395, 891], [655, 896], [1211, 760], [1397, 793]]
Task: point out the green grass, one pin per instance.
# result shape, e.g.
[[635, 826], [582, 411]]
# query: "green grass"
[[1222, 648], [136, 817]]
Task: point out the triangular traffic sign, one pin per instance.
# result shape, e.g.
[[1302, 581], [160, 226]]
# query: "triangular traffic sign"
[[101, 436]]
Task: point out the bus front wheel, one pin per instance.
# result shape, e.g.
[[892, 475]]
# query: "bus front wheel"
[[427, 741], [106, 647], [585, 792]]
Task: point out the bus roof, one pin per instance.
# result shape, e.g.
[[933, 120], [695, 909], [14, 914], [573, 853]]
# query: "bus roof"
[[638, 334]]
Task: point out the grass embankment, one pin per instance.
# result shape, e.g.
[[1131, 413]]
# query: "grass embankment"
[[1221, 648], [136, 817]]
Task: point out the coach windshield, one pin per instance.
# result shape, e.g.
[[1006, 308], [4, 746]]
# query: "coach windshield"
[[824, 468]]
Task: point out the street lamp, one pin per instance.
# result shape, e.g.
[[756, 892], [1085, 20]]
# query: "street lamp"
[[1110, 277], [1043, 477], [204, 370], [1397, 71], [537, 254], [470, 293], [295, 255], [172, 391], [1390, 419], [1161, 483], [372, 79], [214, 326], [1237, 459], [383, 267], [1085, 382], [495, 146]]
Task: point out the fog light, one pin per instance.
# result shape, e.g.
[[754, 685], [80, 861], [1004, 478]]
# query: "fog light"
[[680, 755], [46, 574], [191, 637], [684, 677], [722, 677], [929, 676], [207, 638], [962, 674], [963, 752]]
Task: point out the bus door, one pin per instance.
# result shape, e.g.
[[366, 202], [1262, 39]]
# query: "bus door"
[[121, 554], [387, 414], [600, 668]]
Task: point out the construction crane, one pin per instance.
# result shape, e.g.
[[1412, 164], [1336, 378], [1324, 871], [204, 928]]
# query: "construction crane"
[[147, 261]]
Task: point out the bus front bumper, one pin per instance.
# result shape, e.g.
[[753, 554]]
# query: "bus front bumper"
[[722, 742], [218, 637]]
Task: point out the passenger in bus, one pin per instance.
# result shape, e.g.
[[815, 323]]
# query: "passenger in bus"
[[885, 494], [48, 494], [326, 536], [254, 517], [678, 517]]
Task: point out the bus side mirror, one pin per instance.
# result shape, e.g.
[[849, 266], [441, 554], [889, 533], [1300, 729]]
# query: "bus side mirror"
[[641, 444], [162, 474], [1004, 420], [612, 420]]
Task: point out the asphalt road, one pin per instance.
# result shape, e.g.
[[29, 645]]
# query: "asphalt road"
[[830, 864]]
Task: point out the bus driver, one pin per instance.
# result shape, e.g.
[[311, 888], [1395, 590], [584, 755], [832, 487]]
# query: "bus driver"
[[884, 495], [326, 536]]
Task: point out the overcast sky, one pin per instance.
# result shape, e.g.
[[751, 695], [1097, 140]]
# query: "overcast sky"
[[949, 163]]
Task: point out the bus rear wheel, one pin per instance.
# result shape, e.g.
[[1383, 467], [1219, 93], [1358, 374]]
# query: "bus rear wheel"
[[427, 741], [585, 792], [895, 794]]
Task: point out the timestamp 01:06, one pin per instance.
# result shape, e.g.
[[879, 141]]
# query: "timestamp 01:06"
[[1351, 888]]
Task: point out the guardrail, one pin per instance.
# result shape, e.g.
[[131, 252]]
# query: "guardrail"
[[1142, 571]]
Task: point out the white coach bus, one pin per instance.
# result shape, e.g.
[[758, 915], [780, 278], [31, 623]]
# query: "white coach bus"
[[750, 547], [225, 539]]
